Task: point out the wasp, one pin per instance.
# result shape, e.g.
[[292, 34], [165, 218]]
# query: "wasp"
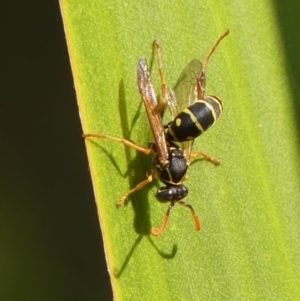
[[170, 161]]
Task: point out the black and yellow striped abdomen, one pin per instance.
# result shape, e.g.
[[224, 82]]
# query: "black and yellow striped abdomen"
[[195, 119]]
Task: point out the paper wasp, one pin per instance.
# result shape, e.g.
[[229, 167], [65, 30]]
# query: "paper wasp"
[[170, 161]]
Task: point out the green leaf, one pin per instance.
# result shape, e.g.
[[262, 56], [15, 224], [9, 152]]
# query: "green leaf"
[[249, 246]]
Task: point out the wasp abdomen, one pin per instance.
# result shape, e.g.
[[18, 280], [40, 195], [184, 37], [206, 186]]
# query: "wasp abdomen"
[[195, 119]]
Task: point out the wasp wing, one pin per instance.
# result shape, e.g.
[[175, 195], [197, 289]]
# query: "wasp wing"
[[185, 93], [152, 108], [186, 86]]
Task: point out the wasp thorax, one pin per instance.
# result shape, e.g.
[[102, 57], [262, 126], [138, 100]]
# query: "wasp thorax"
[[176, 169]]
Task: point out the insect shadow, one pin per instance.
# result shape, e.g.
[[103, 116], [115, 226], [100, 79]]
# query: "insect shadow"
[[137, 167], [135, 173], [140, 199], [118, 272]]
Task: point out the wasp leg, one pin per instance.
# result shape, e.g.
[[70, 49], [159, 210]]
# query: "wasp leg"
[[161, 230], [195, 215], [149, 179], [128, 143], [201, 82], [162, 78], [214, 48], [205, 156]]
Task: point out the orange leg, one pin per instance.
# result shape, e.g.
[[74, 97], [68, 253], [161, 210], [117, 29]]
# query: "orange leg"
[[205, 156], [137, 187], [161, 230], [195, 215], [128, 143], [214, 48], [162, 78]]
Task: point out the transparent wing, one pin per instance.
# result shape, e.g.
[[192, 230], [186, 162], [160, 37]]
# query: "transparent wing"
[[186, 86], [186, 93], [153, 113]]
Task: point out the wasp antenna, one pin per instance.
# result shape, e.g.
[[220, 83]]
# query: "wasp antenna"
[[214, 48]]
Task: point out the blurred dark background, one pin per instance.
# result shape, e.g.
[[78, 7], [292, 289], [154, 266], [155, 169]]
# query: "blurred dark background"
[[50, 241]]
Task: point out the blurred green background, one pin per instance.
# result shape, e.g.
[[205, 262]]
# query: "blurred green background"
[[50, 240]]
